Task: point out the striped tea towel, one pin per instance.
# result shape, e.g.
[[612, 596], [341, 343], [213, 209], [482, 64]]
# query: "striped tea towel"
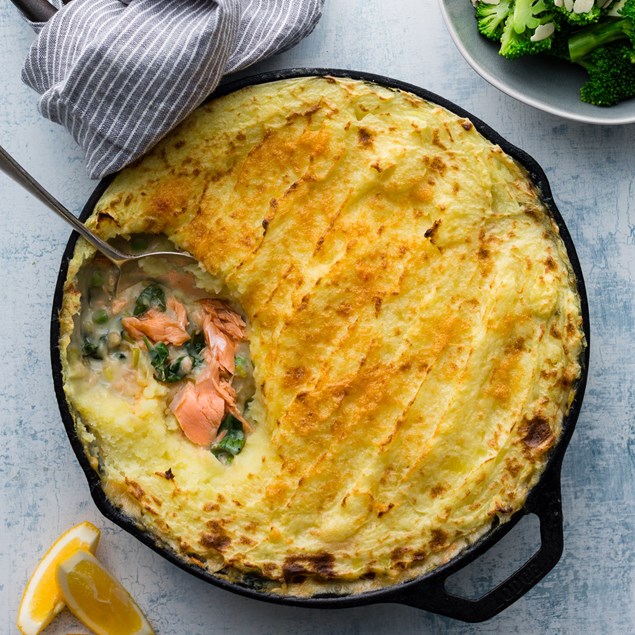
[[120, 75]]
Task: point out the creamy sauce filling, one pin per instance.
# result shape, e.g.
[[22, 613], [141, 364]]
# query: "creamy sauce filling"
[[158, 323]]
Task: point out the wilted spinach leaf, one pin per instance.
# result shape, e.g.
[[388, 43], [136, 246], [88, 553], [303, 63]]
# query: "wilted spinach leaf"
[[164, 369], [158, 358], [233, 442], [92, 350], [194, 347], [175, 371], [152, 296]]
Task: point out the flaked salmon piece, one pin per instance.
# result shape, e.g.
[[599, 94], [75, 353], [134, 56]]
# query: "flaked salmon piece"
[[231, 329], [179, 311], [157, 325], [221, 348], [227, 320], [199, 412], [227, 392], [200, 406], [209, 377]]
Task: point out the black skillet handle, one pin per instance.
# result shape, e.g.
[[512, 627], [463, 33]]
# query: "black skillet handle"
[[432, 596], [36, 10]]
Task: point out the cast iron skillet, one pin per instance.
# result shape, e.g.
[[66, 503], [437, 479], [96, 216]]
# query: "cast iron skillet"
[[428, 591]]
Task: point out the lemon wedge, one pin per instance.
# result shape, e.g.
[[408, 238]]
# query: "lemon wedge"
[[42, 599], [97, 599]]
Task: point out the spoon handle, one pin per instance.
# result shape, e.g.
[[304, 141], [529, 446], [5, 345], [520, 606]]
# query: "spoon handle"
[[12, 168]]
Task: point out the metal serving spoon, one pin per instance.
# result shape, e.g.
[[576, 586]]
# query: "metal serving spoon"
[[12, 168]]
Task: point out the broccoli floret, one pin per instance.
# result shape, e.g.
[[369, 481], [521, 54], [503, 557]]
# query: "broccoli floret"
[[611, 75], [570, 17], [491, 18], [607, 51], [528, 29], [627, 10], [601, 39], [583, 42]]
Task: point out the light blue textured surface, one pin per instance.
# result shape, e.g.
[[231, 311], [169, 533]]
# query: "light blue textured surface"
[[592, 173]]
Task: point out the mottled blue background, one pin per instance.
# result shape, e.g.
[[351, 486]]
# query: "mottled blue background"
[[591, 169]]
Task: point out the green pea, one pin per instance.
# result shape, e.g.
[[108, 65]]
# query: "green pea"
[[100, 316], [242, 366], [97, 279]]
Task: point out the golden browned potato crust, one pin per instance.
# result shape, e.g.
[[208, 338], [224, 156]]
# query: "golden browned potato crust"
[[413, 323]]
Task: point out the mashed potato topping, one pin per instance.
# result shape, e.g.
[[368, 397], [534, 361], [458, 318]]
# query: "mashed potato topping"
[[413, 322]]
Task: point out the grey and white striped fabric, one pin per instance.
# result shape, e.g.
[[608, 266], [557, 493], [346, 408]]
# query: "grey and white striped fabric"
[[120, 75]]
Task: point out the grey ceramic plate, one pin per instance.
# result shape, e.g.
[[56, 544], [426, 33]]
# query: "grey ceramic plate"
[[543, 82]]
